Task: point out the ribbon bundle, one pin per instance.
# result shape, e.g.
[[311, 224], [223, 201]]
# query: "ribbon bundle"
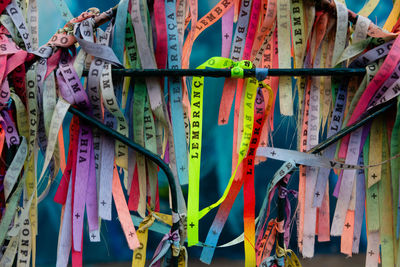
[[38, 85]]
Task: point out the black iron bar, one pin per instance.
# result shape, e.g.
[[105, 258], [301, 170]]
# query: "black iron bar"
[[227, 72], [153, 157], [374, 112]]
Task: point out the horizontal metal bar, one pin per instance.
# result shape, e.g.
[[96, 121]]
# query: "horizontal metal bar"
[[227, 72], [316, 72]]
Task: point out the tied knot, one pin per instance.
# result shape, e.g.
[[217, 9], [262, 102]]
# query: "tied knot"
[[238, 68], [152, 216], [67, 29], [170, 240], [174, 239], [173, 236], [147, 222]]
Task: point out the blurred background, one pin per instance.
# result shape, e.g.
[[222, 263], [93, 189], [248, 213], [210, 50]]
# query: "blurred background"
[[216, 163]]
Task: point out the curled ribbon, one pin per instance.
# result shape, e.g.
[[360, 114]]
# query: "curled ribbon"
[[283, 193], [169, 240], [139, 254], [283, 257]]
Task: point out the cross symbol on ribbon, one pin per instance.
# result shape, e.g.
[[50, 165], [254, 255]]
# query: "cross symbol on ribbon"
[[371, 253]]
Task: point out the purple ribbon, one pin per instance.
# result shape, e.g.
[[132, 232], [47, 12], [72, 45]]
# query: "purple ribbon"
[[283, 193], [262, 221], [372, 55], [162, 248], [12, 137]]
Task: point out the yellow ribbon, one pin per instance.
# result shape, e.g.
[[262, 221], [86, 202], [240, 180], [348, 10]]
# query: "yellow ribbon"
[[139, 254], [196, 135]]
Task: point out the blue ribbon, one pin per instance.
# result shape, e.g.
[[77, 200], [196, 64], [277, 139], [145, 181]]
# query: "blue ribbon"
[[119, 30], [261, 74]]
